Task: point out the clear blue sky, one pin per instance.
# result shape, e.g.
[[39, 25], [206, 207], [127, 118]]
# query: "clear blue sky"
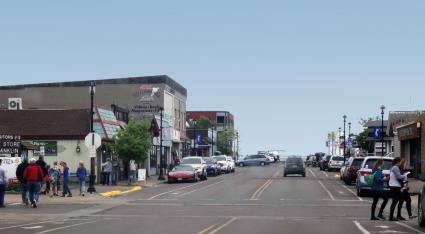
[[288, 70]]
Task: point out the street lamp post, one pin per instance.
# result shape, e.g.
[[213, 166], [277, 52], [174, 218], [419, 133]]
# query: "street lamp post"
[[345, 143], [195, 136], [92, 177], [212, 141], [339, 140], [382, 130], [161, 153]]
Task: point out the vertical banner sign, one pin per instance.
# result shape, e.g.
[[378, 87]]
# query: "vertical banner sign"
[[10, 144]]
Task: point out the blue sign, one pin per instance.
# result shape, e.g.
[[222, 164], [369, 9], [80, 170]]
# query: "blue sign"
[[350, 142], [229, 142], [198, 138], [377, 133]]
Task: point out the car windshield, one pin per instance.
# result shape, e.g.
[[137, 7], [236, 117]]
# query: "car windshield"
[[191, 161], [370, 163], [221, 158], [183, 168], [338, 159], [210, 160], [292, 161]]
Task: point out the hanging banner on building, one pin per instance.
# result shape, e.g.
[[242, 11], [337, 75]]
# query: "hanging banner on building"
[[9, 164], [10, 144], [50, 148]]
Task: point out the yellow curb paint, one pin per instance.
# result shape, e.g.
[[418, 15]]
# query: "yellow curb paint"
[[116, 193]]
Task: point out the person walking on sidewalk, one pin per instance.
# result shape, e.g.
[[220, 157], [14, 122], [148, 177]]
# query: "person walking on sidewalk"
[[378, 190], [405, 195], [22, 181], [107, 169], [395, 186], [43, 166], [33, 174], [65, 181], [115, 171], [54, 173], [3, 184], [81, 175]]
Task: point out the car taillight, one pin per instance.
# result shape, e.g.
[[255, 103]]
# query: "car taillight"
[[353, 169], [364, 173]]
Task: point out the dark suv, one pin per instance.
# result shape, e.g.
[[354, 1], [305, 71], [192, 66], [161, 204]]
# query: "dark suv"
[[323, 164], [294, 165]]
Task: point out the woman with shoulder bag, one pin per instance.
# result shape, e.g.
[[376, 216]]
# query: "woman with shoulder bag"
[[395, 186], [405, 195], [378, 190]]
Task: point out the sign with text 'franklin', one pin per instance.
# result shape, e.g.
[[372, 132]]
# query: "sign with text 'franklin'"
[[10, 144]]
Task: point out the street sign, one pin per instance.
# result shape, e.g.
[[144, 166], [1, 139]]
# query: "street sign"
[[141, 175], [93, 139], [377, 133], [92, 151], [350, 142], [229, 142]]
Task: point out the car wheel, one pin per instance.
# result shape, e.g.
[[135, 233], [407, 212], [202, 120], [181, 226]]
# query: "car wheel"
[[284, 175], [262, 164], [241, 164], [303, 174], [421, 215], [347, 182]]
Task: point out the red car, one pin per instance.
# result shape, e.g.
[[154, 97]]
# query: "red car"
[[182, 173]]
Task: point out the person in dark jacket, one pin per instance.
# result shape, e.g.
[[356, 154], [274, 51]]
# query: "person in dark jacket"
[[22, 181], [81, 175], [405, 195], [43, 166], [378, 190]]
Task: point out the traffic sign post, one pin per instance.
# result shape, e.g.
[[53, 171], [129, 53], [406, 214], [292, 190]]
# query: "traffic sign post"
[[377, 133], [92, 141]]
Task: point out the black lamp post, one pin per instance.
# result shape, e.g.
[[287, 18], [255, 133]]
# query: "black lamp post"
[[212, 141], [339, 139], [382, 130], [92, 177], [195, 136], [161, 153], [345, 143]]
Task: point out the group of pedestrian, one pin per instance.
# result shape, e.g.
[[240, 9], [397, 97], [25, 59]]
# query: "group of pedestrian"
[[110, 171], [34, 174], [399, 190]]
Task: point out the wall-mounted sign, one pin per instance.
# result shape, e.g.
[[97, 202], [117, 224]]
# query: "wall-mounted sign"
[[50, 148], [147, 93], [10, 144]]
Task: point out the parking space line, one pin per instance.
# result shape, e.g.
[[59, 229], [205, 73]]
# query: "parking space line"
[[329, 192], [410, 228], [361, 228], [200, 189], [174, 190], [314, 175], [23, 225], [326, 174], [352, 192]]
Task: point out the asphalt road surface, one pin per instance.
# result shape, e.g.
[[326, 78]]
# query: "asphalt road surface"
[[252, 200]]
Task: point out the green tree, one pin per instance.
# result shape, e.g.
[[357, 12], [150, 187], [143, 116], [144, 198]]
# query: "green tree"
[[203, 123], [361, 138], [222, 141], [133, 142]]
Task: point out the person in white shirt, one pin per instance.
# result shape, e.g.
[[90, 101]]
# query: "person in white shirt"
[[395, 186]]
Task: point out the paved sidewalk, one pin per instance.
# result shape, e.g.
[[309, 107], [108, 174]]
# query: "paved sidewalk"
[[103, 193]]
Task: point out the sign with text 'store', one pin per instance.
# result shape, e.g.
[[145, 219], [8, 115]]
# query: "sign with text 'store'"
[[10, 144]]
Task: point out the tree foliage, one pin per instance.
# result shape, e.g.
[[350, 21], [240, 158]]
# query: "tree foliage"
[[222, 141], [133, 142], [203, 123]]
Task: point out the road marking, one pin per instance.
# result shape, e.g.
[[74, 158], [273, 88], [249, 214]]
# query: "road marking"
[[206, 230], [361, 228], [324, 188], [174, 190], [14, 204], [200, 189], [352, 192], [314, 175], [32, 228], [65, 227], [326, 174], [264, 186], [409, 227], [223, 226], [23, 225]]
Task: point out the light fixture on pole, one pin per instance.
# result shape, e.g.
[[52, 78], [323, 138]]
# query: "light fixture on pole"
[[161, 152], [92, 177], [382, 130]]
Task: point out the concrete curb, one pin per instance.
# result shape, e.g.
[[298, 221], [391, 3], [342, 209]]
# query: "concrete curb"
[[116, 193]]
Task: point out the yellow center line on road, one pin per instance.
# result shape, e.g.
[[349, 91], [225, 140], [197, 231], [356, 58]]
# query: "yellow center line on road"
[[206, 230], [264, 186], [223, 226]]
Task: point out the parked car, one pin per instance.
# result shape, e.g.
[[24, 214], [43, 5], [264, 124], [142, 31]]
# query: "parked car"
[[366, 170], [223, 163], [213, 168], [182, 173], [323, 164], [349, 171], [421, 204], [294, 165], [254, 160], [199, 164], [231, 163], [335, 163]]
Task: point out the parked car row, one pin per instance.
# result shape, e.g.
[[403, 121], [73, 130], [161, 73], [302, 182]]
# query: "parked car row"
[[199, 168]]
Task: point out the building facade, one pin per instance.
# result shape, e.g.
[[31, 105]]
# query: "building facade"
[[144, 97]]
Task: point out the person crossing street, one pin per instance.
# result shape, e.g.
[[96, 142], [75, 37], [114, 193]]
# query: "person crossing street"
[[33, 174], [22, 181], [378, 181]]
